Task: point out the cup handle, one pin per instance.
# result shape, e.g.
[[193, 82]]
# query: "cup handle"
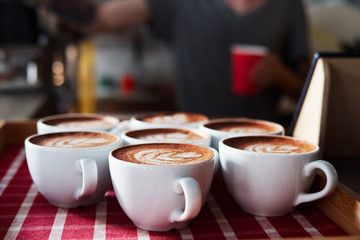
[[331, 181], [88, 168], [192, 193], [216, 160]]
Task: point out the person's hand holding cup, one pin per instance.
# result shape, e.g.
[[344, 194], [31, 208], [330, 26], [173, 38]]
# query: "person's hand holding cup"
[[244, 60], [270, 175]]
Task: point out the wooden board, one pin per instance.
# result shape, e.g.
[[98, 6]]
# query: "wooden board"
[[328, 112], [15, 131]]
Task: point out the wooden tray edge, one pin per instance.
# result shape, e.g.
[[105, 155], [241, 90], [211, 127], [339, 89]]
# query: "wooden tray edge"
[[15, 131], [342, 207]]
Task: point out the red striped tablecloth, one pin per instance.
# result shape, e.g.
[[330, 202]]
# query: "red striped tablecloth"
[[26, 214]]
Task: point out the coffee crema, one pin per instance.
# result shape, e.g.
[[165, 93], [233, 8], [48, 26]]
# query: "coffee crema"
[[80, 122], [176, 118], [270, 144], [74, 139], [165, 135], [243, 127], [163, 154]]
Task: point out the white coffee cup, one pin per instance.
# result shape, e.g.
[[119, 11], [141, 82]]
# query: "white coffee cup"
[[165, 195], [80, 122], [272, 183], [166, 119], [172, 135], [229, 127], [71, 176]]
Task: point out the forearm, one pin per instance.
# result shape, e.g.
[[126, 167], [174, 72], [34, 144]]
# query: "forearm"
[[78, 12], [272, 72], [291, 82], [88, 17], [120, 14]]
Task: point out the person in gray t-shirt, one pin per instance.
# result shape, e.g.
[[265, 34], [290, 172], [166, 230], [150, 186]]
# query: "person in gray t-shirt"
[[201, 33]]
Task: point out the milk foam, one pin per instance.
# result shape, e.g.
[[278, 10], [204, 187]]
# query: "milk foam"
[[171, 137], [273, 148], [76, 143], [85, 124], [74, 140], [177, 118], [166, 156], [244, 126], [246, 130]]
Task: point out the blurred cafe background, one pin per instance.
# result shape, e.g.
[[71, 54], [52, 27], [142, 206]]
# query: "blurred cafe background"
[[46, 69]]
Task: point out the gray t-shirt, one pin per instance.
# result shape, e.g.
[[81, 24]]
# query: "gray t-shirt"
[[201, 33]]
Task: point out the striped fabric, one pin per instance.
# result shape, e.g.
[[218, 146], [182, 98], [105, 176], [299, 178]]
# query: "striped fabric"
[[26, 214]]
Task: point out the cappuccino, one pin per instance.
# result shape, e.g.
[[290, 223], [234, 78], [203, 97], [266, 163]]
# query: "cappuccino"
[[163, 154], [269, 144], [173, 118], [231, 127], [80, 121], [244, 126], [74, 139], [165, 135]]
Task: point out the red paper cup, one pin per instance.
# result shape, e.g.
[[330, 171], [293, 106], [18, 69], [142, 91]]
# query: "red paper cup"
[[243, 60]]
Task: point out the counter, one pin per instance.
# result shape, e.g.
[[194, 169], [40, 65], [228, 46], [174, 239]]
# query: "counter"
[[21, 106]]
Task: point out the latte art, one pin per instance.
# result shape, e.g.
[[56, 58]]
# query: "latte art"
[[176, 118], [245, 130], [80, 122], [244, 126], [165, 135], [166, 156], [270, 148], [163, 154], [75, 140], [270, 144], [66, 142], [86, 124]]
